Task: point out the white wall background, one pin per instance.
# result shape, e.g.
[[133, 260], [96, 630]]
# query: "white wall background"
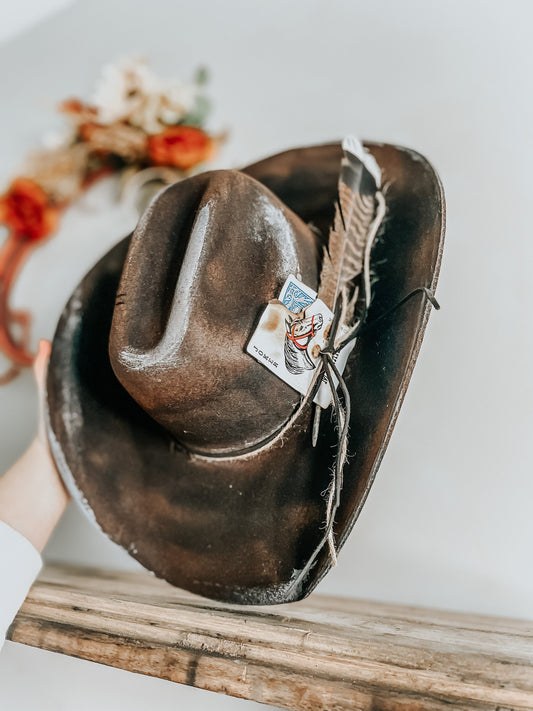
[[449, 522], [25, 14]]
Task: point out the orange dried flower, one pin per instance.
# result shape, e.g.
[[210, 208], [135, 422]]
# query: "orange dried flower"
[[77, 110], [180, 146], [26, 210]]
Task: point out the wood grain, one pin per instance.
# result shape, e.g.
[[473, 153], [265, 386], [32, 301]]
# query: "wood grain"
[[321, 653]]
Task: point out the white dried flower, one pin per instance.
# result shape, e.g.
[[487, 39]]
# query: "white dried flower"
[[129, 91], [59, 139]]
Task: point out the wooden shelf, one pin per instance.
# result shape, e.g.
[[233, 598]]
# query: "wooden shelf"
[[321, 653]]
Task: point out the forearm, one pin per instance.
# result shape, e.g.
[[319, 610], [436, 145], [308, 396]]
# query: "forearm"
[[32, 495]]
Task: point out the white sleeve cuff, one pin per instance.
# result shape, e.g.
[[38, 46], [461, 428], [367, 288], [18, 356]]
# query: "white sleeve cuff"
[[20, 564]]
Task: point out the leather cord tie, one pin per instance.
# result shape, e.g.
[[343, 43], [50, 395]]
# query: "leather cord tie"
[[342, 411]]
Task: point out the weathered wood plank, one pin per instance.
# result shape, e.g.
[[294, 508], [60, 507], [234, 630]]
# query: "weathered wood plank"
[[321, 653]]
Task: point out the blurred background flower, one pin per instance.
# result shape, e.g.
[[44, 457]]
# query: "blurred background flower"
[[135, 119]]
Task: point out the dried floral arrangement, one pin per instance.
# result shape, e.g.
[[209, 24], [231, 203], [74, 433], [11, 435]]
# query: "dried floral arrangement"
[[135, 121]]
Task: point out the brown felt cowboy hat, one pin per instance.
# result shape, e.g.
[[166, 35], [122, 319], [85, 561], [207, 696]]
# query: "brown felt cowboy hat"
[[165, 427]]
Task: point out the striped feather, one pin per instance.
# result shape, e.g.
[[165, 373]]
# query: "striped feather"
[[343, 260]]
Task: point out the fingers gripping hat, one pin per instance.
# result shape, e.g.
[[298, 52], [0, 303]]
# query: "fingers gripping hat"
[[182, 442]]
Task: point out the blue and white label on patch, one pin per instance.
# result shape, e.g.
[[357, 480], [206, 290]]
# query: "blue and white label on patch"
[[290, 337]]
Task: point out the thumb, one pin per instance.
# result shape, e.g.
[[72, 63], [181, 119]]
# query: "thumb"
[[40, 366]]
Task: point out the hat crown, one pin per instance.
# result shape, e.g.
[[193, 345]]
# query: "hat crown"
[[206, 257]]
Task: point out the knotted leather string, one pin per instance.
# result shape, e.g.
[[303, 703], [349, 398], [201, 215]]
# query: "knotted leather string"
[[342, 407], [342, 412]]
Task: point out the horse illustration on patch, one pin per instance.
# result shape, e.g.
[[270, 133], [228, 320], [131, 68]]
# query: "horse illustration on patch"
[[298, 335]]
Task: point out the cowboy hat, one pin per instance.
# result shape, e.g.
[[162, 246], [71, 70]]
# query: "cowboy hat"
[[167, 430]]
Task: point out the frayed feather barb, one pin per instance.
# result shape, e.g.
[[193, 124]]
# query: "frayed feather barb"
[[359, 182]]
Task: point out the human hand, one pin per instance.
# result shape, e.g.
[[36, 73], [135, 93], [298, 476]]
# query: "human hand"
[[32, 494]]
